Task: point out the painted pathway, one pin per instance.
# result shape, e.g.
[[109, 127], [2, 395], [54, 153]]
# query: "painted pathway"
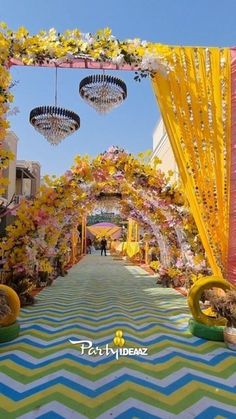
[[42, 375]]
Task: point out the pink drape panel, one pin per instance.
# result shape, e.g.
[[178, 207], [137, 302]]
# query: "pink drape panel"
[[231, 263]]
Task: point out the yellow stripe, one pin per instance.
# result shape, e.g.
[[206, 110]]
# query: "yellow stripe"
[[129, 363], [171, 400]]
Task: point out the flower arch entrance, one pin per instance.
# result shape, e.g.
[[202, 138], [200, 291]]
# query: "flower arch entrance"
[[44, 226]]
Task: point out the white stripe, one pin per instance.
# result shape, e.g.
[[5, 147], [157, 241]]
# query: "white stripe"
[[55, 407], [96, 385]]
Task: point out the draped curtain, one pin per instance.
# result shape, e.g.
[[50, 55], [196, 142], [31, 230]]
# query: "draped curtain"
[[194, 96]]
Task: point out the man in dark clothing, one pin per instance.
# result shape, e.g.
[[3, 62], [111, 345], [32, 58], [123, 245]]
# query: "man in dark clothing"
[[89, 244], [103, 246]]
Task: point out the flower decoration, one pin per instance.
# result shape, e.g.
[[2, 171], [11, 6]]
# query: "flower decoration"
[[41, 233]]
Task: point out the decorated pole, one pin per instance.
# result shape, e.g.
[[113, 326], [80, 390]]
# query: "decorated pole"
[[85, 234], [72, 258], [136, 231], [74, 244], [146, 252], [82, 238]]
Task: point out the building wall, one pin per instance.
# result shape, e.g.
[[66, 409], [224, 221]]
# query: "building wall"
[[28, 186], [162, 149], [23, 187], [37, 177], [10, 144]]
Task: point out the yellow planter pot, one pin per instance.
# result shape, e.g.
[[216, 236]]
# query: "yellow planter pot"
[[14, 304], [195, 295]]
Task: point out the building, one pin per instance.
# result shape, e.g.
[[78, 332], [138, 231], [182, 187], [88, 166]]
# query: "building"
[[23, 182], [162, 149], [27, 179], [10, 144], [7, 198]]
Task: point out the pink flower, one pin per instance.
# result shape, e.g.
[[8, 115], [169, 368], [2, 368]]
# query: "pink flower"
[[179, 264], [69, 175]]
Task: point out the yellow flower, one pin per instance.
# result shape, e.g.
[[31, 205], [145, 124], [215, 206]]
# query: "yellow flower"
[[3, 25], [21, 33]]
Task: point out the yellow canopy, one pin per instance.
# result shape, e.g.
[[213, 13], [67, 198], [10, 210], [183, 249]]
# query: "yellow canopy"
[[100, 231]]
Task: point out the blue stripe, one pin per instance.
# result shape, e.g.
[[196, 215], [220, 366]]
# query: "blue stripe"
[[66, 315], [121, 307], [50, 415], [138, 342], [211, 413], [159, 360], [124, 325], [138, 413], [75, 386]]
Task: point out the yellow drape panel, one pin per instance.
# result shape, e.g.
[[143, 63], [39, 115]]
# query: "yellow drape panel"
[[194, 98], [124, 247], [132, 234], [132, 249]]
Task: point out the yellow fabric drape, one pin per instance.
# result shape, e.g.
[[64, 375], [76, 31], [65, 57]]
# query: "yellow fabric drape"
[[132, 249], [129, 248], [132, 234], [194, 98]]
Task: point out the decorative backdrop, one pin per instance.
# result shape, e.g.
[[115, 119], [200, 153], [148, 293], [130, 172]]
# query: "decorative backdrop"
[[195, 88]]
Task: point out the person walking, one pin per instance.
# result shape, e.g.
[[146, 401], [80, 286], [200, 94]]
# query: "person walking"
[[88, 245], [103, 246]]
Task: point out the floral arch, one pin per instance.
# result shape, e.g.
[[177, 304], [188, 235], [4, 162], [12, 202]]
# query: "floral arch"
[[44, 227]]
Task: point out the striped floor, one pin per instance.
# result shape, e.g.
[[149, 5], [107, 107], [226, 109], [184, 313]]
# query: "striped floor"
[[43, 375]]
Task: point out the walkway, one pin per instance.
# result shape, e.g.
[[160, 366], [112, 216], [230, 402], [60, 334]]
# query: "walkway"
[[43, 375]]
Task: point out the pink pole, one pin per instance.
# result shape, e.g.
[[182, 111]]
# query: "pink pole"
[[231, 261], [81, 63]]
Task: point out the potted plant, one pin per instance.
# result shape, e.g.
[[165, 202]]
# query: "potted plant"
[[225, 306]]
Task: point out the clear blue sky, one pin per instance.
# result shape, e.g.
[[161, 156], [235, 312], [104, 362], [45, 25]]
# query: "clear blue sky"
[[186, 22]]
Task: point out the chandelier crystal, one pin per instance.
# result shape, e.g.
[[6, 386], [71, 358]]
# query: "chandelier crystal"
[[54, 123], [103, 92]]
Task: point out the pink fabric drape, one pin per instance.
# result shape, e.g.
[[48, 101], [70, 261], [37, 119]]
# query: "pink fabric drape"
[[231, 262]]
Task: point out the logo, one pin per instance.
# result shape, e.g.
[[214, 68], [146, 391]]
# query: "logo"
[[87, 348]]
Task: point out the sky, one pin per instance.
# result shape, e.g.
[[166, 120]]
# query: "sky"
[[131, 126]]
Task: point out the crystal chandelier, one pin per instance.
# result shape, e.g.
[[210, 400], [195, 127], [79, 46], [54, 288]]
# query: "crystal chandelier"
[[103, 92], [54, 123]]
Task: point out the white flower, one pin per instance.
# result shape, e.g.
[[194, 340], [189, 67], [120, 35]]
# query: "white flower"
[[87, 37], [136, 42], [119, 60], [153, 63], [52, 34], [69, 55]]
